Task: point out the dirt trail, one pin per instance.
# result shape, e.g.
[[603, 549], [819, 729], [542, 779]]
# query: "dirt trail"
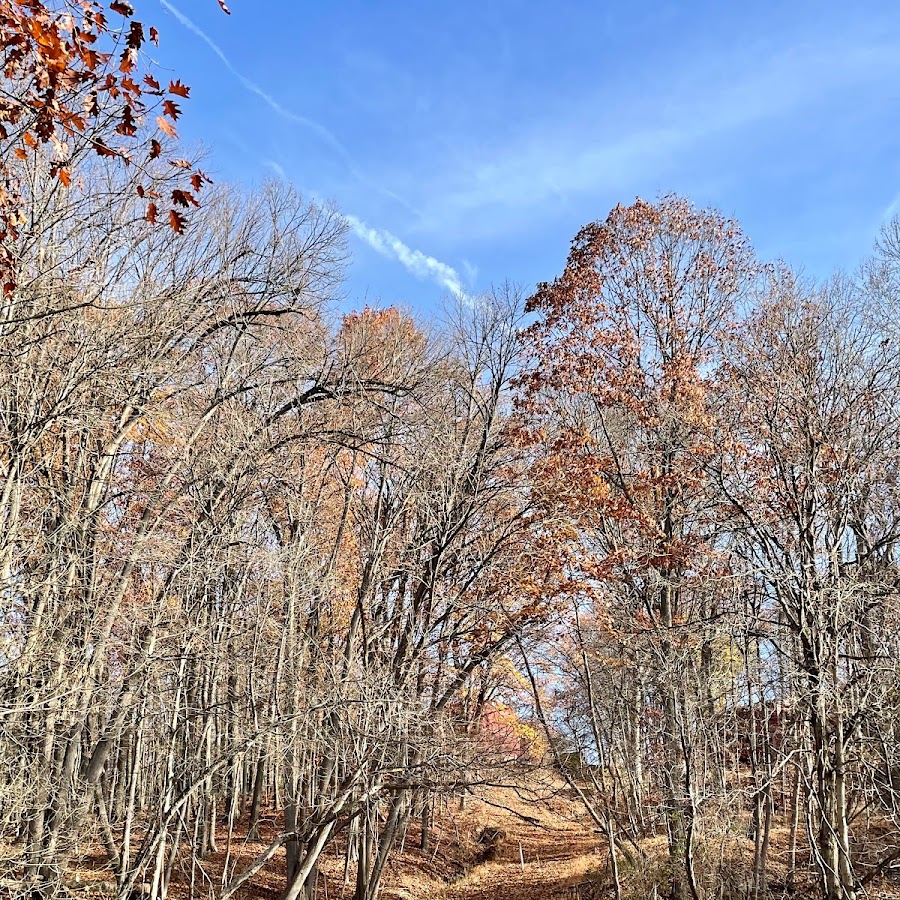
[[522, 849], [531, 842], [564, 876]]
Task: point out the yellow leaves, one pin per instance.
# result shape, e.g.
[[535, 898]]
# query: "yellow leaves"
[[502, 729], [510, 672], [154, 425]]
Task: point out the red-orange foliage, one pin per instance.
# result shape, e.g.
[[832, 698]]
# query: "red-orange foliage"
[[71, 71], [615, 392]]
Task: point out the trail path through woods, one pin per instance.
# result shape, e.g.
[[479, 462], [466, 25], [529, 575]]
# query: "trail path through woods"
[[531, 850], [529, 842], [561, 873]]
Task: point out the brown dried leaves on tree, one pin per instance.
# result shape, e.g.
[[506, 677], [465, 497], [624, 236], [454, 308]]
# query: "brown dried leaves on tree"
[[67, 68], [626, 339]]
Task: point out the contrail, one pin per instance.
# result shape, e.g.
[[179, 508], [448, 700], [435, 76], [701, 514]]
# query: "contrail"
[[414, 261], [326, 136]]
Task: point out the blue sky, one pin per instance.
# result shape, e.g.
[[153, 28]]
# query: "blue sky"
[[467, 142]]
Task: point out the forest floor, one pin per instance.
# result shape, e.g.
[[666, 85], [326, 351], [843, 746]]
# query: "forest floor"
[[528, 842], [532, 843], [510, 845]]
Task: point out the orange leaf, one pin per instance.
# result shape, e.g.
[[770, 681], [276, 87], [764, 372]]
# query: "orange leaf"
[[177, 221], [151, 213], [166, 126], [128, 60], [102, 150], [184, 198], [170, 108], [181, 90], [91, 58], [64, 176]]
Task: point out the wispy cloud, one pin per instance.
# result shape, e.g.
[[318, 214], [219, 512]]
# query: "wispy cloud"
[[414, 261], [891, 209], [320, 130], [324, 134], [277, 168], [497, 184]]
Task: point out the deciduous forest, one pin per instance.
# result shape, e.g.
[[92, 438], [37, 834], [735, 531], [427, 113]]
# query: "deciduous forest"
[[289, 594]]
